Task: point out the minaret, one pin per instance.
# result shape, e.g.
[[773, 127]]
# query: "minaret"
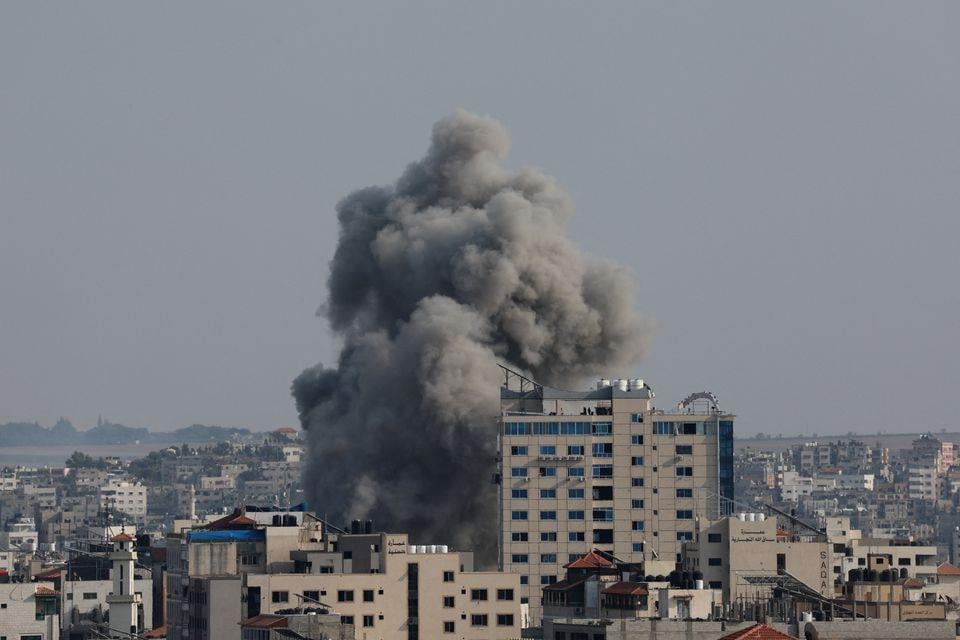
[[123, 601]]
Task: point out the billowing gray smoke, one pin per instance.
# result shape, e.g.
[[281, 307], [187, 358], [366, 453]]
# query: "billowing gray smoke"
[[460, 265]]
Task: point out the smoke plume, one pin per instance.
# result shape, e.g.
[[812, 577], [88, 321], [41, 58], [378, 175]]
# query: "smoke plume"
[[460, 265]]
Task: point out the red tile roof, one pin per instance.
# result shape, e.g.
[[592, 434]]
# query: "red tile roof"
[[265, 621], [947, 569], [564, 585], [626, 589], [122, 537], [242, 520], [44, 591], [593, 559], [758, 632], [49, 574], [159, 632], [914, 583]]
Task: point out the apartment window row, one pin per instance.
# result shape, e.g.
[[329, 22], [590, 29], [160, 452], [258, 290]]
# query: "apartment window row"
[[557, 428]]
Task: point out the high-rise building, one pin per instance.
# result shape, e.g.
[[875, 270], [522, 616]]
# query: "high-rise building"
[[605, 469]]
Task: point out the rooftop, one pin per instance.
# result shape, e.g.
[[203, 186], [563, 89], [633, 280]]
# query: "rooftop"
[[758, 632]]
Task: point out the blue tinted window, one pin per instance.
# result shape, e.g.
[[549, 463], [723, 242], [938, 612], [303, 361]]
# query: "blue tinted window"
[[602, 449], [548, 515], [604, 514], [518, 472], [575, 515], [518, 451], [518, 493], [575, 472], [575, 450], [518, 515], [548, 493], [548, 450]]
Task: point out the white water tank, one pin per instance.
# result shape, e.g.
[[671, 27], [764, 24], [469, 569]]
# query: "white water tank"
[[443, 548], [806, 616], [698, 584], [603, 383], [421, 548], [742, 517], [761, 517], [412, 549], [636, 384], [622, 384], [431, 548], [751, 517]]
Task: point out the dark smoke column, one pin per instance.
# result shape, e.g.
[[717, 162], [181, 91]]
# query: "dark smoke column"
[[460, 265]]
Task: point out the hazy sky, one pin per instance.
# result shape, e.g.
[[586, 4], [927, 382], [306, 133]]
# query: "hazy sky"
[[783, 179]]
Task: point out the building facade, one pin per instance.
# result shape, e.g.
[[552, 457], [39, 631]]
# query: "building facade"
[[605, 469]]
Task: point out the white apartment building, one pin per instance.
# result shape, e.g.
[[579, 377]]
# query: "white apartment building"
[[28, 610], [21, 534], [604, 469], [127, 497], [924, 483]]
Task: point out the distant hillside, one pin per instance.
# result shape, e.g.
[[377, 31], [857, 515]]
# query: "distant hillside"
[[23, 434]]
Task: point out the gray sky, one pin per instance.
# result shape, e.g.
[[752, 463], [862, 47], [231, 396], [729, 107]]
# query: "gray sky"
[[782, 178]]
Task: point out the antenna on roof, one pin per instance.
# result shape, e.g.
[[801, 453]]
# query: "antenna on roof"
[[526, 384]]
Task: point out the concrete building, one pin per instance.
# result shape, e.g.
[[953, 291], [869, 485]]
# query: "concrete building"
[[306, 625], [123, 496], [123, 601], [604, 469], [28, 610], [20, 535], [924, 483], [238, 568], [736, 553]]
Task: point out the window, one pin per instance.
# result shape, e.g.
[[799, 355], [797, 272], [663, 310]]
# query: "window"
[[573, 557], [904, 562], [548, 515], [575, 515], [603, 493], [368, 621], [575, 494], [637, 525], [518, 472], [638, 547], [684, 536], [447, 577], [637, 461], [603, 514], [684, 471], [449, 627], [636, 482], [478, 594], [524, 579], [478, 620], [601, 428], [716, 584], [575, 536], [275, 596], [518, 515], [636, 439], [714, 537], [548, 536], [519, 536], [449, 602], [663, 428], [684, 449], [504, 594], [518, 493], [603, 471], [715, 562], [602, 449], [548, 579], [87, 595], [574, 472], [575, 450], [517, 558], [684, 493], [603, 536], [518, 451], [636, 504], [548, 493], [345, 596], [548, 472], [684, 514], [549, 558], [548, 450], [504, 619]]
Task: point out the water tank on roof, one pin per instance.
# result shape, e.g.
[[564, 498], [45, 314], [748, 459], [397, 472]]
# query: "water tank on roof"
[[443, 548], [742, 517], [368, 526], [751, 517], [603, 383], [761, 517], [636, 384], [622, 384], [412, 548], [421, 548]]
